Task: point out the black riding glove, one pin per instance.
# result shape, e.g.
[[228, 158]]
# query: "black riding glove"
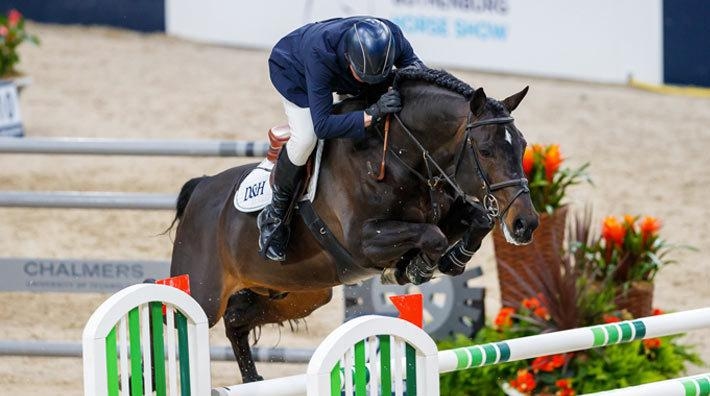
[[390, 102]]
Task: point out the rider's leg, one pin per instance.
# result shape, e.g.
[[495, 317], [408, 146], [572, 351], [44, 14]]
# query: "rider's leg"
[[287, 173]]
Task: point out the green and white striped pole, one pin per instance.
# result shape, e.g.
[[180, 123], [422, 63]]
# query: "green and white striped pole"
[[696, 385], [524, 348], [572, 340]]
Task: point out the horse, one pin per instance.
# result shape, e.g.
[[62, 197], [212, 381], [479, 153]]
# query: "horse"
[[450, 157]]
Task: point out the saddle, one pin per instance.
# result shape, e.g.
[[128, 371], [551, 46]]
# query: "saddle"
[[254, 190], [254, 193]]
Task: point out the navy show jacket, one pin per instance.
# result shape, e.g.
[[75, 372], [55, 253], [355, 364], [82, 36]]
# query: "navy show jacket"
[[308, 65]]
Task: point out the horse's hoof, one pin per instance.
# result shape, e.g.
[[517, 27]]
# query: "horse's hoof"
[[388, 277]]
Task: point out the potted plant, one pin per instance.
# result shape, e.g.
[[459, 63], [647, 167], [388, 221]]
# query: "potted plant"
[[629, 254], [549, 182], [562, 296], [566, 374], [12, 35]]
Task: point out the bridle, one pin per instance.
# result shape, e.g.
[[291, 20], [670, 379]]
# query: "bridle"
[[490, 203]]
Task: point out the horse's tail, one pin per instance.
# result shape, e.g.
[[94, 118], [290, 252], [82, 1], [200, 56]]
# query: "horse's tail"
[[183, 198]]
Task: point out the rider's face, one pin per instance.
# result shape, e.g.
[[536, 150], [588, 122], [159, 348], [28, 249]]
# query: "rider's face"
[[355, 76]]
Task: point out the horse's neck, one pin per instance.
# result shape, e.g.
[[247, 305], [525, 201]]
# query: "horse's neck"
[[349, 167]]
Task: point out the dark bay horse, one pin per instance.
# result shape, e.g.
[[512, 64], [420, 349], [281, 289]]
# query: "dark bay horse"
[[454, 154]]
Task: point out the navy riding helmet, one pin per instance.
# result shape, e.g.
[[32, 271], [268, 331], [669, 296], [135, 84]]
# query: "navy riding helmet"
[[370, 50]]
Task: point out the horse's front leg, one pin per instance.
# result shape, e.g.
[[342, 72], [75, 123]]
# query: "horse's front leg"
[[384, 241], [453, 262]]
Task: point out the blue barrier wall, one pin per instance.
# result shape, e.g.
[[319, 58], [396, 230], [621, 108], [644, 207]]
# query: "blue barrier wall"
[[686, 42], [142, 15]]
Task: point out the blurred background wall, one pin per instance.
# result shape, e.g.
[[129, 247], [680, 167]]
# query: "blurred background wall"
[[654, 41]]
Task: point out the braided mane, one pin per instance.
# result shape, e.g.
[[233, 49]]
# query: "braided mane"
[[440, 78]]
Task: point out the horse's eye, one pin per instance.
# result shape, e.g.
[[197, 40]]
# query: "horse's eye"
[[486, 152]]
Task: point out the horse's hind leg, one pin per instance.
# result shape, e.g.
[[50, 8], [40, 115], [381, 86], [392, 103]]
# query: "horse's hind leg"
[[247, 310], [240, 318]]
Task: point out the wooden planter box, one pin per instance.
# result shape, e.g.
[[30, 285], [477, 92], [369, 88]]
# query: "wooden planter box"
[[516, 276]]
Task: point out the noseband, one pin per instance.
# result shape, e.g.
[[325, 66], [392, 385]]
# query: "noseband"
[[490, 203]]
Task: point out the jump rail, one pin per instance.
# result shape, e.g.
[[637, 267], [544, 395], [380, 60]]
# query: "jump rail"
[[87, 200], [217, 353], [695, 385], [517, 349], [148, 147]]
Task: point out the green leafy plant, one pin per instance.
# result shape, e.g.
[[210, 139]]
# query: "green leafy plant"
[[548, 180], [638, 362], [567, 374], [12, 34], [565, 295]]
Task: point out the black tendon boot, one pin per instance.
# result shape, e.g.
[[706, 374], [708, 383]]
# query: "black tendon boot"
[[420, 269], [274, 231], [453, 262]]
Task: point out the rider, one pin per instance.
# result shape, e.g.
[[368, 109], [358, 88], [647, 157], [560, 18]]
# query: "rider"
[[343, 55]]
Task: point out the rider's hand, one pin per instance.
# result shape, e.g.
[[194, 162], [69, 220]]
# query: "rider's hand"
[[390, 102]]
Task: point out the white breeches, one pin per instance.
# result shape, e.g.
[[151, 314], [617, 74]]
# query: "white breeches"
[[303, 137]]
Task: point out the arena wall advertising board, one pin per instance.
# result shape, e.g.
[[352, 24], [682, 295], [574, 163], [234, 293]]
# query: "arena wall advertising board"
[[603, 40]]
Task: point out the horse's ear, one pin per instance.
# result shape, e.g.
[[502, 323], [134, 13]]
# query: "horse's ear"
[[478, 102], [512, 102]]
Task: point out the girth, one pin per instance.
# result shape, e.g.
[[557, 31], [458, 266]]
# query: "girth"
[[349, 272]]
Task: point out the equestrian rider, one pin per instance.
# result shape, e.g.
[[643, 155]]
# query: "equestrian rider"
[[343, 55]]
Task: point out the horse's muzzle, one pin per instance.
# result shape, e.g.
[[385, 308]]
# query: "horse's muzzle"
[[523, 228]]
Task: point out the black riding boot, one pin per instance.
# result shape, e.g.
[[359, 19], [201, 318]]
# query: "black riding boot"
[[272, 220]]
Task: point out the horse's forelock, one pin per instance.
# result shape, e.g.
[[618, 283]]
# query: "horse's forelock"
[[497, 108]]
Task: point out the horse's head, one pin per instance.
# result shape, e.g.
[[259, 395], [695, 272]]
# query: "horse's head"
[[493, 154], [473, 144]]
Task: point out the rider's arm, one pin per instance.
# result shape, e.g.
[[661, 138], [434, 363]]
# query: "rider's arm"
[[320, 101]]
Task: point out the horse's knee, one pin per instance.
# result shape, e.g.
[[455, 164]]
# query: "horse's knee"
[[242, 310], [433, 242]]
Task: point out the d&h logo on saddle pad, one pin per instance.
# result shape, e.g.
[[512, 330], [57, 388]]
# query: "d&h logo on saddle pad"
[[254, 192]]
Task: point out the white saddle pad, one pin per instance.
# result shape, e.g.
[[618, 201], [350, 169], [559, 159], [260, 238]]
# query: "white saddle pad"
[[254, 192]]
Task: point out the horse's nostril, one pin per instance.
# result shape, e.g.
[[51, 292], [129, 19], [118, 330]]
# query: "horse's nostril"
[[519, 226]]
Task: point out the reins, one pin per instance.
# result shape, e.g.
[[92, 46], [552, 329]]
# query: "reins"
[[490, 204]]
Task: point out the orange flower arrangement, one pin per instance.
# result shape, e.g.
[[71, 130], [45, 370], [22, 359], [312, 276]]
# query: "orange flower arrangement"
[[550, 363], [566, 374], [534, 305], [504, 317], [12, 34], [652, 343], [564, 387], [611, 318], [524, 382], [548, 181], [630, 249]]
